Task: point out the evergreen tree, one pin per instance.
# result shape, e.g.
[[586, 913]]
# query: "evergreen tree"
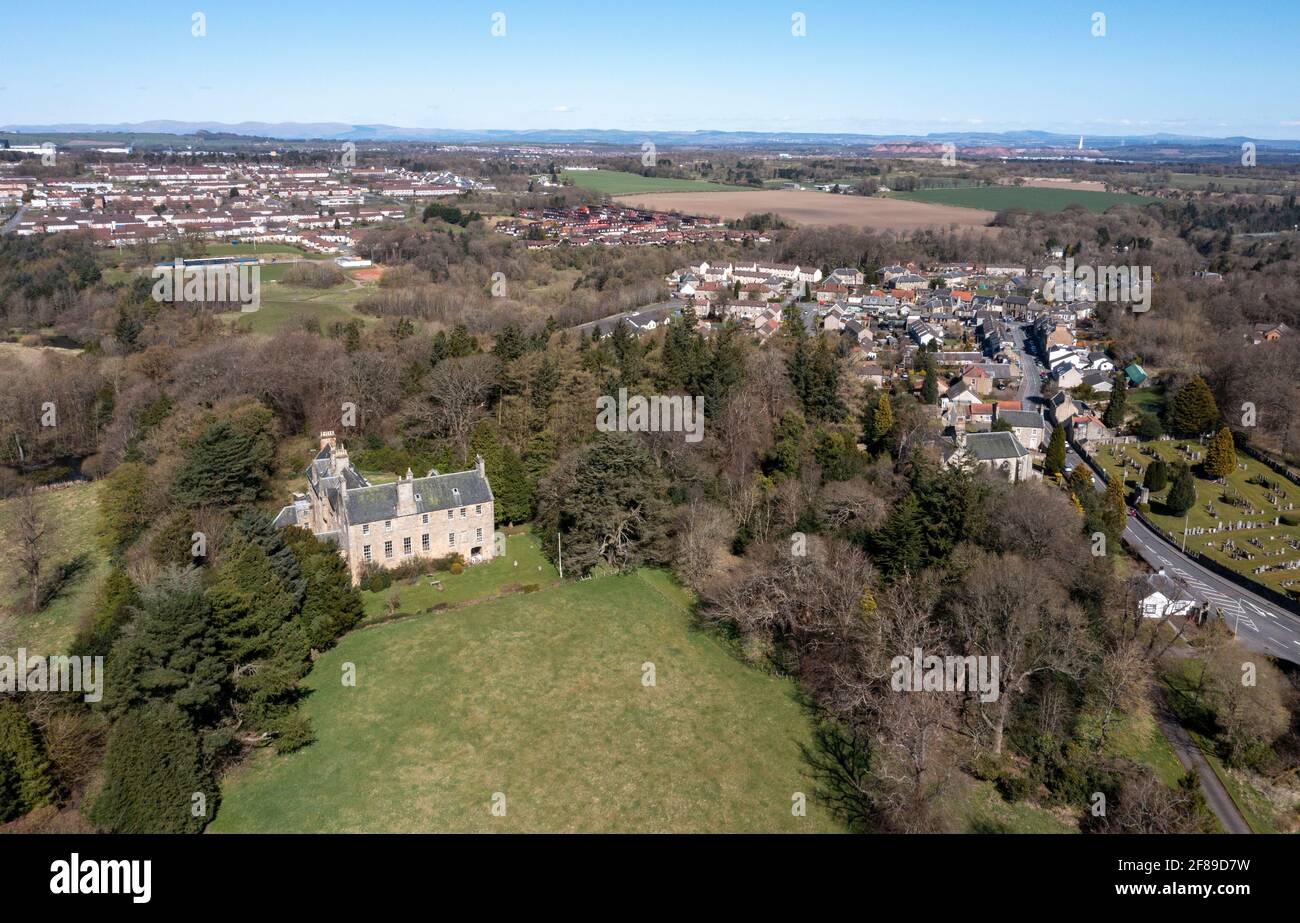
[[545, 380], [719, 368], [229, 463], [607, 504], [787, 445], [125, 510], [1114, 513], [114, 607], [882, 423], [171, 653], [1115, 409], [127, 329], [1054, 461], [331, 606], [1182, 494], [930, 387], [512, 489], [1193, 410], [898, 546], [510, 343], [1221, 455], [153, 766], [1156, 477], [838, 456], [263, 641], [25, 781]]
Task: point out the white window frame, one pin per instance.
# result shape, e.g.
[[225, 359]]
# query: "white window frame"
[[388, 550], [407, 550]]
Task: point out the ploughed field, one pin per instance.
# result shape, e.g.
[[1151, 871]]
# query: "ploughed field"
[[807, 207]]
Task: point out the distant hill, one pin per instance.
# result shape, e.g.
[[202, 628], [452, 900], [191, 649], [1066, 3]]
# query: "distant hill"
[[1010, 143]]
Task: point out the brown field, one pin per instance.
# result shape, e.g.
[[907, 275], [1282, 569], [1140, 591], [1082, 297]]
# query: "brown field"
[[368, 273], [813, 208], [1050, 182]]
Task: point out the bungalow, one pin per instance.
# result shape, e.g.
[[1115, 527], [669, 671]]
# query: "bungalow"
[[1167, 599], [1100, 382]]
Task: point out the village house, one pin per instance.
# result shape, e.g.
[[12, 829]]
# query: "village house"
[[386, 525]]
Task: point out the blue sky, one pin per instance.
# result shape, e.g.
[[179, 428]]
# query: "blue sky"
[[1190, 67]]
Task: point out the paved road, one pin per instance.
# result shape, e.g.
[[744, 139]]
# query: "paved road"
[[1259, 624], [657, 311], [11, 225], [1190, 755]]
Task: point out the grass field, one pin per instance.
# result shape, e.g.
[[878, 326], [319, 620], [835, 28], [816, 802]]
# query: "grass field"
[[1140, 739], [616, 182], [1033, 198], [291, 305], [1269, 546], [539, 697], [75, 510]]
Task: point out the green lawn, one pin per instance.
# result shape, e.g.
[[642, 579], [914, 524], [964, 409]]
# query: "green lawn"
[[1270, 546], [1033, 198], [73, 512], [615, 182], [1140, 739], [539, 697], [291, 305], [523, 564]]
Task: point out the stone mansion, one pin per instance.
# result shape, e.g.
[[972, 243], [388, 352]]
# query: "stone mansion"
[[388, 524]]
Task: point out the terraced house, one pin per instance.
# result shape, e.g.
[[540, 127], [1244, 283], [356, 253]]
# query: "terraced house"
[[386, 525]]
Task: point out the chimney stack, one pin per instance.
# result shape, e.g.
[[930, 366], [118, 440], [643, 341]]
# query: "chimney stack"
[[478, 465], [405, 496]]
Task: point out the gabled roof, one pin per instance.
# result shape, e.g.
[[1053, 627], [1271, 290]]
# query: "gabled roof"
[[439, 492], [1135, 373], [994, 446]]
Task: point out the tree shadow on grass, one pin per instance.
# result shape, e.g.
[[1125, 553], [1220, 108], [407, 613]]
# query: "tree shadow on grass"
[[60, 582]]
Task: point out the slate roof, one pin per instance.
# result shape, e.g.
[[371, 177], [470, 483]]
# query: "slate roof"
[[439, 492], [994, 446], [1024, 418]]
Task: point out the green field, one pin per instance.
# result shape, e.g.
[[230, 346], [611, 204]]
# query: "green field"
[[1032, 198], [539, 697], [292, 305], [72, 513], [1276, 544], [615, 182]]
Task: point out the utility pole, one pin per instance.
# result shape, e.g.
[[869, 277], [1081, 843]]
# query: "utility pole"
[[1185, 531], [559, 553]]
